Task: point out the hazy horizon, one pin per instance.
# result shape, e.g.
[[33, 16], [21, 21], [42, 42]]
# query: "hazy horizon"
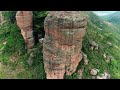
[[103, 13]]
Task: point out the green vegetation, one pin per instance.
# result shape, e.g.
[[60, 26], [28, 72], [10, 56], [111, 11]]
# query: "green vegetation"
[[38, 22], [101, 32], [9, 16], [14, 57]]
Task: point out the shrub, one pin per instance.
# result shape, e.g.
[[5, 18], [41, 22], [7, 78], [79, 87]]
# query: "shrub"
[[38, 23], [9, 16]]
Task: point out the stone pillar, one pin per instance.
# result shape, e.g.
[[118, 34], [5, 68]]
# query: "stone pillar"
[[64, 31], [25, 23]]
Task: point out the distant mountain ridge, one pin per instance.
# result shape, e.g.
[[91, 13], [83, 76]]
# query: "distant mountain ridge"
[[113, 18], [103, 13]]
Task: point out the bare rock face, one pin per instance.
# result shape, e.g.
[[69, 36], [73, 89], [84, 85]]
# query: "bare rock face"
[[64, 31], [25, 23], [1, 18]]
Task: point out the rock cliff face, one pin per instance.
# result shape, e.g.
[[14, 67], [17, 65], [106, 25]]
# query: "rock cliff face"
[[25, 23], [64, 31]]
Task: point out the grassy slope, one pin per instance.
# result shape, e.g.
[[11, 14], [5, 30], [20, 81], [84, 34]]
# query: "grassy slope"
[[108, 33], [14, 57], [96, 60], [18, 67]]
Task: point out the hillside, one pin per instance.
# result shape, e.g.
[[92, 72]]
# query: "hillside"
[[13, 55], [103, 32]]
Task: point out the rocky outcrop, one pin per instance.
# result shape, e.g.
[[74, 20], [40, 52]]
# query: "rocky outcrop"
[[1, 18], [107, 58], [85, 59], [64, 32], [80, 73], [94, 46], [96, 75], [25, 23], [94, 71], [105, 75]]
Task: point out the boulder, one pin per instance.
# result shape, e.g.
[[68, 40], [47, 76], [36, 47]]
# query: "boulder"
[[109, 43], [104, 55], [4, 43], [93, 77], [80, 73], [105, 75], [86, 61], [84, 56], [93, 43], [96, 47], [94, 72]]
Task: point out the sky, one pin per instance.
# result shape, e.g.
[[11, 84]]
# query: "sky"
[[103, 13]]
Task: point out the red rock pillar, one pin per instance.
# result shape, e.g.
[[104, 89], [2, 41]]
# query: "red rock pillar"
[[25, 23], [64, 31]]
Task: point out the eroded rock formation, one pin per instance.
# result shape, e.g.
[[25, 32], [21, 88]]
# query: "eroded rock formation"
[[64, 32], [25, 23]]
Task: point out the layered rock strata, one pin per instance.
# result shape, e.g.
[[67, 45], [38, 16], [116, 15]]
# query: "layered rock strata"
[[64, 32]]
